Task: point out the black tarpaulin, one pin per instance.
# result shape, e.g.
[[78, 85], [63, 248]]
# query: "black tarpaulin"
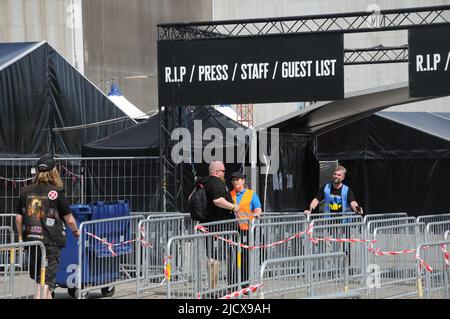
[[291, 186], [143, 139], [396, 161], [41, 96]]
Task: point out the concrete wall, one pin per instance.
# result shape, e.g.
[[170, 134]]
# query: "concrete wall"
[[356, 77], [120, 40], [56, 21]]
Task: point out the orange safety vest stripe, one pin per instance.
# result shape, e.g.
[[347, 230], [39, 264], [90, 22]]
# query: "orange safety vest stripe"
[[244, 204]]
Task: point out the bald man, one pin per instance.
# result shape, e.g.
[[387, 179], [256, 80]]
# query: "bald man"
[[220, 204]]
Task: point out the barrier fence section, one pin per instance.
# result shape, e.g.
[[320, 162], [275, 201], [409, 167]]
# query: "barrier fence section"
[[312, 217], [392, 261], [435, 231], [245, 235], [156, 233], [6, 237], [372, 224], [189, 223], [344, 237], [320, 276], [9, 220], [433, 270], [326, 221], [107, 253], [89, 179], [24, 280], [215, 270], [273, 241], [447, 235], [372, 217], [279, 218], [426, 219]]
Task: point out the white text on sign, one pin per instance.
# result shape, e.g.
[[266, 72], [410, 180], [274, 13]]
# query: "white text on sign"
[[430, 62]]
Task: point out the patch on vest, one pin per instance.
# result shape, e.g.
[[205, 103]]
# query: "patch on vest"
[[52, 195]]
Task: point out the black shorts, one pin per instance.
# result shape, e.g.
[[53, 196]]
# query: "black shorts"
[[53, 254]]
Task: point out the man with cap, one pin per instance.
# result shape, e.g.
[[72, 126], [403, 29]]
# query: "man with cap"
[[249, 208], [43, 210]]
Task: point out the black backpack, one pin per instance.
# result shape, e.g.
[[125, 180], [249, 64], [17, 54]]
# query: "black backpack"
[[197, 203]]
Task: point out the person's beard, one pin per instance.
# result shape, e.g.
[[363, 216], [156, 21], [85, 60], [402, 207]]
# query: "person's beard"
[[222, 178]]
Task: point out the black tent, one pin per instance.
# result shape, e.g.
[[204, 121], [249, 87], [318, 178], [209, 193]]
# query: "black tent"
[[143, 140], [396, 161], [319, 123], [47, 106]]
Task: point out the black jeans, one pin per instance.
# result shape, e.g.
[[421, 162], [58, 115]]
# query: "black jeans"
[[53, 254]]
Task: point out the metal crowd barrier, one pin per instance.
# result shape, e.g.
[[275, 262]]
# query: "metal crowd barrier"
[[312, 217], [447, 235], [372, 217], [214, 270], [434, 282], [107, 253], [279, 218], [269, 233], [336, 238], [6, 235], [10, 221], [433, 218], [324, 221], [24, 280], [372, 224], [245, 237], [156, 233], [304, 276], [436, 230], [393, 263]]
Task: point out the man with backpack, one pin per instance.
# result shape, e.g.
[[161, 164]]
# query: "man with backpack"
[[216, 202], [209, 202]]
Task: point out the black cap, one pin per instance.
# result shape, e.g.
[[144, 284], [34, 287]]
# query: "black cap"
[[46, 163], [237, 175]]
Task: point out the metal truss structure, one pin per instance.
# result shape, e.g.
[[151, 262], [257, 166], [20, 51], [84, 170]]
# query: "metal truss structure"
[[356, 22], [384, 20], [376, 55]]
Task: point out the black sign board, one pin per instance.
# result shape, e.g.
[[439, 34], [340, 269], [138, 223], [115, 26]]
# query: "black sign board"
[[265, 69], [429, 61]]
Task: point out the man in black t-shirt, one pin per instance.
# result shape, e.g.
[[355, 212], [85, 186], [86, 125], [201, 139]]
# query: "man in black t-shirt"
[[337, 196], [220, 204]]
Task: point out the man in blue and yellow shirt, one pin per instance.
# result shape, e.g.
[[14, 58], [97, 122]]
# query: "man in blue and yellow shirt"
[[337, 196]]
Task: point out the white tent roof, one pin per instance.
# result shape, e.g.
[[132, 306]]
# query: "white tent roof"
[[124, 105]]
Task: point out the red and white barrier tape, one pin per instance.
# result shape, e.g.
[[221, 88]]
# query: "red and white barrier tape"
[[307, 231], [446, 254], [111, 245], [243, 291], [103, 241], [376, 251], [428, 267]]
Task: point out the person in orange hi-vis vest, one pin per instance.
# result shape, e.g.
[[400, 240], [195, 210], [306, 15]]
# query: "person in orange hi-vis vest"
[[248, 200], [249, 207]]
